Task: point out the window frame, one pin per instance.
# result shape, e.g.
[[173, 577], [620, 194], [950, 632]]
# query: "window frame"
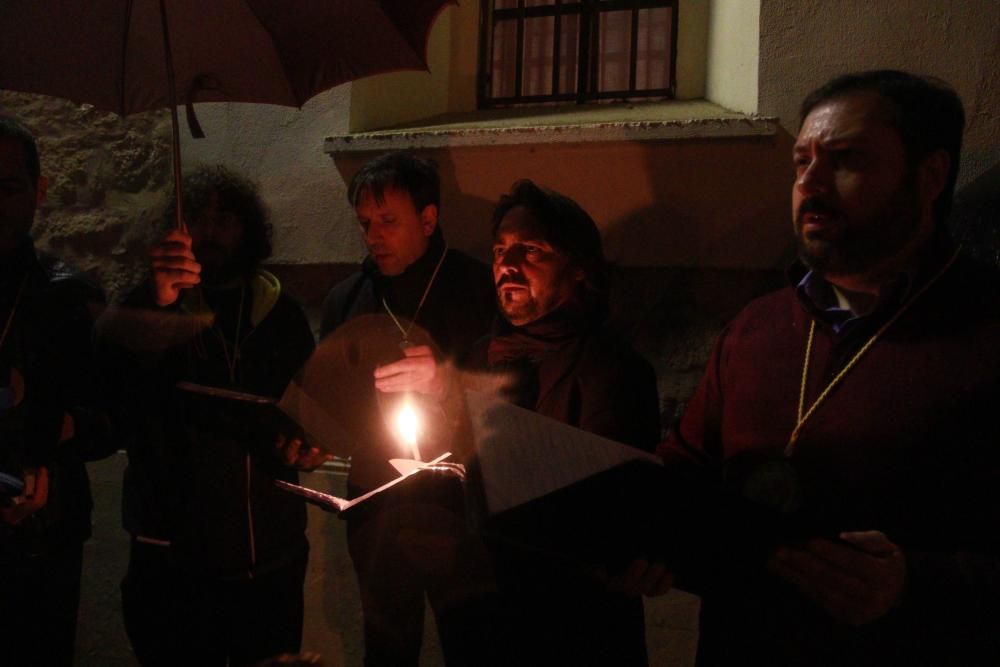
[[589, 12]]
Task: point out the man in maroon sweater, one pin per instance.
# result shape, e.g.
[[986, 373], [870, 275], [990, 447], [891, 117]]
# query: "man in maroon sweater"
[[851, 414]]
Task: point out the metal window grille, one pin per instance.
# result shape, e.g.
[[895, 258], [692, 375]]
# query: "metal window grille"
[[552, 51]]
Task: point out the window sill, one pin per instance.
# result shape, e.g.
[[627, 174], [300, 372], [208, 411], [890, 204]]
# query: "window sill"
[[659, 121]]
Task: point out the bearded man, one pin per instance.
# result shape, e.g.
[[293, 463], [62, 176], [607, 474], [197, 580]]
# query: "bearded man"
[[218, 553], [855, 407], [553, 345]]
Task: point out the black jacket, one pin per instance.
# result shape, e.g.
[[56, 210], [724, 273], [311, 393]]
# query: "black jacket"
[[459, 310], [201, 470], [49, 345]]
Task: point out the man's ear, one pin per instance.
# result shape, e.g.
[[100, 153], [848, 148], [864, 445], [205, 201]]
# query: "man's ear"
[[41, 189], [429, 219], [934, 175]]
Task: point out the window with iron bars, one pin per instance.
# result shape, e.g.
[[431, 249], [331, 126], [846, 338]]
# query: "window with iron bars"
[[564, 51]]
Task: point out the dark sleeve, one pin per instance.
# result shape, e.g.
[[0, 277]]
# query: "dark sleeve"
[[623, 404], [69, 361], [300, 339], [338, 303]]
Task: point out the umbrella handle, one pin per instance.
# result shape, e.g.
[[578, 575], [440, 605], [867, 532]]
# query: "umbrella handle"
[[172, 97]]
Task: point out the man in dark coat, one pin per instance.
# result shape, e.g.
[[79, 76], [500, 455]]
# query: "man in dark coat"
[[854, 411], [412, 277], [51, 422], [561, 360], [218, 553]]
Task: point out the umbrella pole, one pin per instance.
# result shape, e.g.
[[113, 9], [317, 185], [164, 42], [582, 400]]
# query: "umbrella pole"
[[175, 133]]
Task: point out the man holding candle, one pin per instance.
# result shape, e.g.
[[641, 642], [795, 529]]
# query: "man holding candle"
[[855, 410], [412, 277]]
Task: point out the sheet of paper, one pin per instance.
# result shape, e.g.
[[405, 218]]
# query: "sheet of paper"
[[320, 427], [523, 455]]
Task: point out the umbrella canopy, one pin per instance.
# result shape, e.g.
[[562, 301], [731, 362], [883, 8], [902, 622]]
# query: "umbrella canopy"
[[110, 53], [128, 56]]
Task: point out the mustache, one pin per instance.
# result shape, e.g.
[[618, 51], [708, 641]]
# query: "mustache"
[[511, 279], [815, 205]]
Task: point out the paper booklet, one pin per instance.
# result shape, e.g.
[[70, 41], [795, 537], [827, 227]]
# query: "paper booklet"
[[288, 413], [408, 469], [545, 486], [523, 455]]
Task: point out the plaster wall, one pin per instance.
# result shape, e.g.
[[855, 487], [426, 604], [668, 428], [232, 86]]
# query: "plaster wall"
[[688, 203], [805, 42], [281, 148], [678, 194]]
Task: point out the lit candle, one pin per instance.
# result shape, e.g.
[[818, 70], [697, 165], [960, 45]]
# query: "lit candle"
[[408, 428]]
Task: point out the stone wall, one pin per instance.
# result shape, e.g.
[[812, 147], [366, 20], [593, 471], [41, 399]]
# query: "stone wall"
[[108, 179]]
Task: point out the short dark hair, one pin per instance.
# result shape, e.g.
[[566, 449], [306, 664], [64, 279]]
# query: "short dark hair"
[[567, 228], [12, 129], [925, 111], [402, 170], [236, 194]]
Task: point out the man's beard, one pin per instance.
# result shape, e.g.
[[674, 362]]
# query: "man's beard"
[[861, 244], [521, 312]]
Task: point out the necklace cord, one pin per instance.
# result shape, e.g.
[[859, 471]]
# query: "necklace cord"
[[803, 418], [427, 290], [13, 310]]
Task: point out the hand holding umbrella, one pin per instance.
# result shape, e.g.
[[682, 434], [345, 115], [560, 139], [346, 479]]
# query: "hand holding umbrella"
[[174, 266]]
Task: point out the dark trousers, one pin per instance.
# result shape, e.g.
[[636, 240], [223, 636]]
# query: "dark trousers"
[[173, 618], [406, 552], [39, 598]]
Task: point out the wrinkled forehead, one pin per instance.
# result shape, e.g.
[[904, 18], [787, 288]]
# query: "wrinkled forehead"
[[859, 114]]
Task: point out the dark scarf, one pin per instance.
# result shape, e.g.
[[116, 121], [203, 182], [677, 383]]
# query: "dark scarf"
[[530, 354]]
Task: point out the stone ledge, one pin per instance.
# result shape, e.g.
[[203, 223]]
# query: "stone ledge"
[[676, 121]]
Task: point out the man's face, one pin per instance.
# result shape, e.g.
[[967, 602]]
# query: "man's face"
[[19, 196], [217, 240], [855, 203], [395, 232], [532, 278]]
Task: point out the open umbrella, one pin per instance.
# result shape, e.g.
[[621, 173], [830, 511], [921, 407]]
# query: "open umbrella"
[[128, 56]]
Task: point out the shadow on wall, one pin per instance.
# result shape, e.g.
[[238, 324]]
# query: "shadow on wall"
[[716, 235], [694, 229], [975, 220]]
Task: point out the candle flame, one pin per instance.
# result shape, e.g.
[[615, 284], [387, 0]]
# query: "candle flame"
[[408, 428]]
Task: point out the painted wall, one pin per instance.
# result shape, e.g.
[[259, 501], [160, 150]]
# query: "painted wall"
[[805, 42], [733, 54], [712, 203]]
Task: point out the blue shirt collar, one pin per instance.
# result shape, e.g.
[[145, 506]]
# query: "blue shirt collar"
[[819, 298]]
